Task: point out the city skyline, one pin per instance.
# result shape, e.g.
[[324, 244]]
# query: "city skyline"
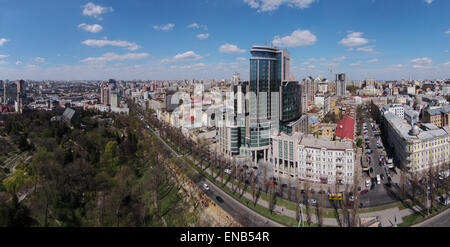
[[172, 40]]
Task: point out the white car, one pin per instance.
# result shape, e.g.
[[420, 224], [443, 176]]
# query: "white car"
[[227, 171], [367, 183], [312, 201], [205, 186]]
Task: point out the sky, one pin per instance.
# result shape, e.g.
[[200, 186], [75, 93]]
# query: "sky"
[[211, 39]]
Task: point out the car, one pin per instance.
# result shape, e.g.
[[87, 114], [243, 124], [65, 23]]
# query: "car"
[[382, 177], [352, 198], [227, 171], [312, 201], [361, 205], [367, 183], [364, 192], [371, 170], [205, 187], [219, 199]]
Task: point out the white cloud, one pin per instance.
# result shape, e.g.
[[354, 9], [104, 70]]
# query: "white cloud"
[[270, 5], [446, 64], [340, 59], [3, 41], [375, 60], [90, 9], [187, 56], [329, 64], [241, 59], [196, 66], [422, 61], [203, 36], [445, 51], [417, 66], [429, 1], [18, 62], [448, 32], [297, 38], [39, 59], [313, 59], [354, 39], [355, 64], [368, 49], [3, 56], [167, 27], [95, 28], [104, 42], [194, 26], [197, 26], [398, 66], [2, 62], [229, 48], [111, 56]]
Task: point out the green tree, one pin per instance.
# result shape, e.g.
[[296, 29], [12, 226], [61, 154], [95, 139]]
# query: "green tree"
[[14, 183], [359, 142], [110, 158]]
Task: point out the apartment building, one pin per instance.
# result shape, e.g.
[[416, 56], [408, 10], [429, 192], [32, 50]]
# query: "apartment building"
[[417, 148], [307, 158]]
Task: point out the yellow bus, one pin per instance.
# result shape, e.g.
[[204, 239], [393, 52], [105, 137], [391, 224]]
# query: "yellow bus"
[[335, 196]]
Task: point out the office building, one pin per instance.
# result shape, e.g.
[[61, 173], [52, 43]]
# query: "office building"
[[20, 95], [340, 85]]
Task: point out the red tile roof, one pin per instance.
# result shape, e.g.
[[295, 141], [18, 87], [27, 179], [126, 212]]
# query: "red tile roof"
[[346, 128]]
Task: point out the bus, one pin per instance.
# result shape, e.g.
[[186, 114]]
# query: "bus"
[[378, 179], [335, 196]]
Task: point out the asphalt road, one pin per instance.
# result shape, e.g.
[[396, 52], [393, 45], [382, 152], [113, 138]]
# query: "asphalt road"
[[378, 195], [239, 212], [441, 220]]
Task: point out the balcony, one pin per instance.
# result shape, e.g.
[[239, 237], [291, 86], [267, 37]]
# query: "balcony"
[[340, 165]]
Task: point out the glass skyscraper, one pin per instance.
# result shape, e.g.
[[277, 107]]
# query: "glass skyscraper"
[[269, 67]]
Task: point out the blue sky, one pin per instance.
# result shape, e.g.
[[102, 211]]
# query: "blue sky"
[[211, 39]]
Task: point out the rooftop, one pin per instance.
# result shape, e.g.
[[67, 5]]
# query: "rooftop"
[[312, 142], [346, 128], [403, 129]]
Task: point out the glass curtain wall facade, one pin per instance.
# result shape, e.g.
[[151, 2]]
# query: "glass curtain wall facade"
[[267, 71]]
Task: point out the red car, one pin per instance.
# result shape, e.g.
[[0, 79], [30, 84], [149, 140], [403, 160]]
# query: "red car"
[[364, 192]]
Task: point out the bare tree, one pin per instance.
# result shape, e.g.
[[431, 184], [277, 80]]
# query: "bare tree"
[[307, 198], [271, 197], [298, 199]]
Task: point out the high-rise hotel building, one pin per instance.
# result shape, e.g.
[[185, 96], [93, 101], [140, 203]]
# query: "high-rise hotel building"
[[267, 102]]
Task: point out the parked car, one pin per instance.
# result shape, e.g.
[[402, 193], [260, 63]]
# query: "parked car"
[[312, 201], [352, 198], [364, 192], [205, 187], [227, 171], [219, 199], [367, 183]]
